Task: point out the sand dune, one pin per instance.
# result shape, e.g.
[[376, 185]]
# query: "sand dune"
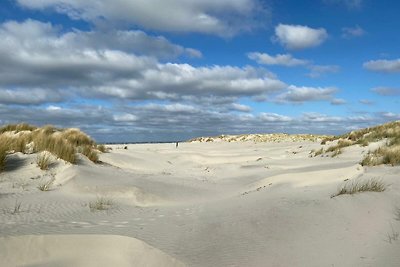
[[80, 250], [201, 204]]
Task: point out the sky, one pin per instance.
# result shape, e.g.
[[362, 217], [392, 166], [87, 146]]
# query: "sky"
[[167, 70]]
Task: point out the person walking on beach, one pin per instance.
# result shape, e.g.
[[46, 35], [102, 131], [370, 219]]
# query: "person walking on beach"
[[176, 145]]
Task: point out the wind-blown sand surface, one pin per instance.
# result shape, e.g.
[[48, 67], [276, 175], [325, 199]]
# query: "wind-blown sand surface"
[[201, 204]]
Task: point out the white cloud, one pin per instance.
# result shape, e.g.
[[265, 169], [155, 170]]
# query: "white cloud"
[[338, 101], [28, 96], [279, 59], [350, 32], [53, 108], [321, 118], [386, 91], [222, 17], [46, 37], [274, 117], [390, 115], [126, 117], [299, 37], [319, 70], [303, 94], [383, 65], [88, 65], [366, 102], [240, 107]]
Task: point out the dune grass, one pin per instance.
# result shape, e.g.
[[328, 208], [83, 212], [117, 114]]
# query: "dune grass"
[[102, 148], [3, 155], [45, 186], [43, 160], [62, 143], [388, 153], [101, 203], [17, 128], [358, 186], [56, 145], [90, 153]]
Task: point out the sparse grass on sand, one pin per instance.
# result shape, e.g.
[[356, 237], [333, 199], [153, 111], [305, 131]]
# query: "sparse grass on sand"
[[101, 203], [353, 187], [388, 153], [43, 160], [45, 186]]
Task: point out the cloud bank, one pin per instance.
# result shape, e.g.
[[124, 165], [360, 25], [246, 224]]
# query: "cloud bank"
[[222, 17]]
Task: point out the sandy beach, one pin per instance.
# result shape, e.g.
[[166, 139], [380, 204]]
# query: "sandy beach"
[[201, 204]]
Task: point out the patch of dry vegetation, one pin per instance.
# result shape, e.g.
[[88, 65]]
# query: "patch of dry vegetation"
[[55, 144], [17, 128], [371, 185], [102, 148], [62, 143], [389, 153], [3, 155], [43, 160], [261, 138], [90, 153], [337, 149], [101, 203]]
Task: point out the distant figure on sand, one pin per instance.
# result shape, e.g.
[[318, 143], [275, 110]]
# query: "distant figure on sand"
[[176, 145]]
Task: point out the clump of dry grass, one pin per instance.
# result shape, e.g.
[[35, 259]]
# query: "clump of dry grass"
[[353, 187], [17, 128], [56, 145], [389, 153], [3, 155], [101, 203], [383, 155], [318, 152], [43, 160], [63, 143], [45, 186], [337, 149], [77, 138], [102, 148], [90, 153], [328, 139]]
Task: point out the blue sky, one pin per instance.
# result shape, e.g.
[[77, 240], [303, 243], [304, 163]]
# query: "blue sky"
[[152, 70]]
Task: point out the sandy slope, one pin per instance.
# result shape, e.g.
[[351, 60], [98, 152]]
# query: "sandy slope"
[[203, 204]]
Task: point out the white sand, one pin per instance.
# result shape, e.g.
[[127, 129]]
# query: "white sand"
[[201, 204]]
